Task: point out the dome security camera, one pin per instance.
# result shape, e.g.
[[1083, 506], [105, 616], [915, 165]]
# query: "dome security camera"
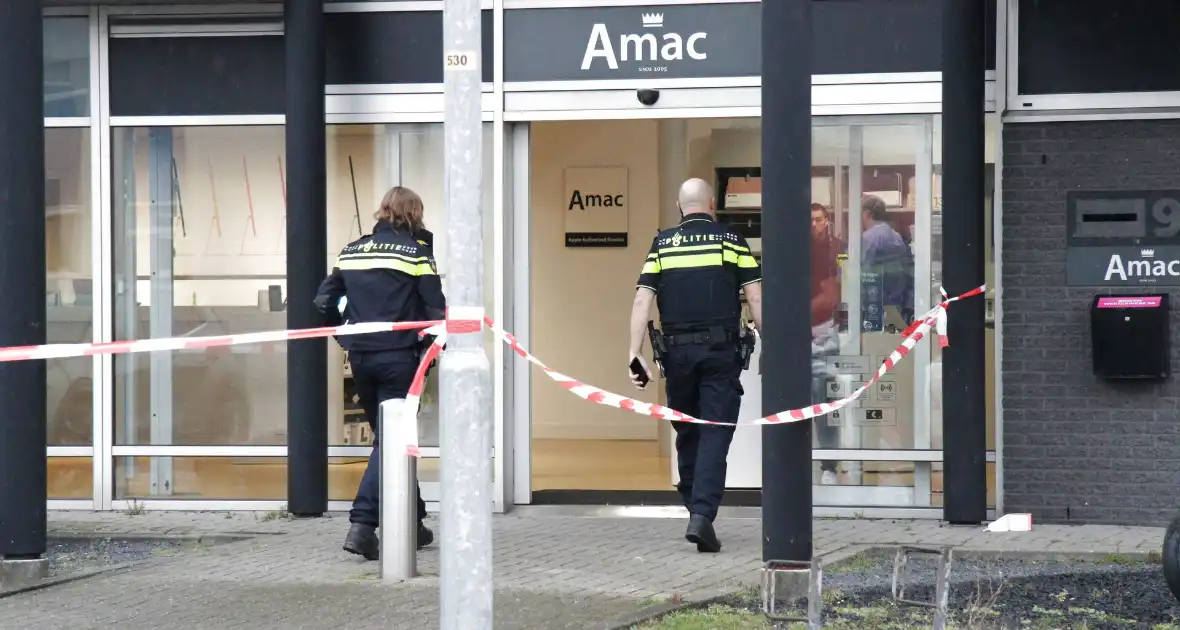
[[648, 97]]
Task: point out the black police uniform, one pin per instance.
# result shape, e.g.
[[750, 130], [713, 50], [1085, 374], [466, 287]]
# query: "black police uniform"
[[697, 270], [388, 276]]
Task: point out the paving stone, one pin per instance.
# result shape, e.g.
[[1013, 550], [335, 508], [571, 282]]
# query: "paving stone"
[[550, 572]]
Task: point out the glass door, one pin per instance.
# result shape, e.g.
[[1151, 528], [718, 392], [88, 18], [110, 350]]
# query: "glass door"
[[364, 162], [872, 269]]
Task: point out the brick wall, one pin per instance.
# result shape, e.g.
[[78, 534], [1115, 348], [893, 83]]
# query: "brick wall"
[[1075, 448]]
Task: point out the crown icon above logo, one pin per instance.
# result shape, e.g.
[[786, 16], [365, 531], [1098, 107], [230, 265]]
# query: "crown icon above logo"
[[653, 20], [1147, 253]]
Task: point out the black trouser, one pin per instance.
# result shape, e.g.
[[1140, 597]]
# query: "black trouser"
[[379, 376], [702, 381]]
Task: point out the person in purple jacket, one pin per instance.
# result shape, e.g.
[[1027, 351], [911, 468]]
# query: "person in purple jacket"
[[884, 252]]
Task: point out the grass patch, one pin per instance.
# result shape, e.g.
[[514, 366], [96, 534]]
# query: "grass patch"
[[858, 563], [1117, 558], [842, 613], [280, 514], [716, 617], [884, 615]]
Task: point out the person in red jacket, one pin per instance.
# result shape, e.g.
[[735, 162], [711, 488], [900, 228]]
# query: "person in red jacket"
[[825, 342]]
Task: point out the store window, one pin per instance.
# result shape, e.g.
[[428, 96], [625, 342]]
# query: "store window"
[[991, 135], [70, 478], [208, 478], [364, 161], [200, 249], [67, 66], [991, 124], [69, 287], [69, 283]]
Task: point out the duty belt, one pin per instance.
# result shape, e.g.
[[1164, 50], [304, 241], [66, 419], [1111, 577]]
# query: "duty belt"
[[718, 335]]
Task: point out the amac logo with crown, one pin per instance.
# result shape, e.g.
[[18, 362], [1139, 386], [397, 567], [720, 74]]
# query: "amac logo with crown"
[[650, 52]]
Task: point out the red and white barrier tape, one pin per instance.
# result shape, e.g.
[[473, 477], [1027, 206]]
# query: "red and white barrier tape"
[[917, 331], [68, 350], [471, 320]]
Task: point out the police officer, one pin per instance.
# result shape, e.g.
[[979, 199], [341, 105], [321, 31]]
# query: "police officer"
[[695, 272], [388, 276]]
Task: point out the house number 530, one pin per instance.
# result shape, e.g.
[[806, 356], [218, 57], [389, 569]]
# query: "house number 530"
[[460, 60]]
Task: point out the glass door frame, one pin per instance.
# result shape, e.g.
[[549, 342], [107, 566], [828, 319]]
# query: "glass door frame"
[[922, 455], [388, 143], [391, 143], [859, 498]]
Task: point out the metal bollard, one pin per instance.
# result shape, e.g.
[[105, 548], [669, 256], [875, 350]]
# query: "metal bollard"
[[399, 509]]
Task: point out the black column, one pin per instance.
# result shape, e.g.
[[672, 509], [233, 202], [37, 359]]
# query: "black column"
[[22, 281], [786, 257], [307, 367], [964, 415]]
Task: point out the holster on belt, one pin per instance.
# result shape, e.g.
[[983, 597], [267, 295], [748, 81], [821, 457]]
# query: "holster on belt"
[[745, 348], [659, 350]]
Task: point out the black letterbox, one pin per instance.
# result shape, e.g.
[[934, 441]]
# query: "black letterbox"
[[1130, 336]]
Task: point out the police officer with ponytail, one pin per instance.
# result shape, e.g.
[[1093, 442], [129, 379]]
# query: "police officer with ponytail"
[[387, 276]]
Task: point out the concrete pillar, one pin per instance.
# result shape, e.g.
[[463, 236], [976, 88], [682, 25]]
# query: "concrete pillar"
[[963, 262], [786, 249], [307, 367], [22, 283]]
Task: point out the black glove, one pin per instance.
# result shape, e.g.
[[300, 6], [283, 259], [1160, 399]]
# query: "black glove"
[[329, 313]]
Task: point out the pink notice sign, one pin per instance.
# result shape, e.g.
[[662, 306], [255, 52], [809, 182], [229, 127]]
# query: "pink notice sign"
[[1147, 301]]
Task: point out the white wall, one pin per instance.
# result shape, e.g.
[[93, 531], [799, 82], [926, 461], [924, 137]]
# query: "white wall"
[[581, 297]]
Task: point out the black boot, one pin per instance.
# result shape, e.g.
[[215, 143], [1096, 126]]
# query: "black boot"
[[425, 536], [700, 531], [362, 541]]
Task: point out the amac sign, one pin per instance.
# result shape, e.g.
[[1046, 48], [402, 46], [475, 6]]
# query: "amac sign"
[[643, 47], [1147, 269]]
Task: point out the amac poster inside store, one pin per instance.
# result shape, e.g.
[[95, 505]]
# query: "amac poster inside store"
[[596, 200]]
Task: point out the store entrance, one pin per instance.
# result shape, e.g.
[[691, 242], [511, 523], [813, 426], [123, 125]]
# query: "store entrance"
[[585, 256], [585, 260], [877, 232]]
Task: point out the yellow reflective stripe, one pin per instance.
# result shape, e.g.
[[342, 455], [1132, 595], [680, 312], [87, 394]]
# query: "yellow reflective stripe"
[[747, 261], [694, 260], [362, 254], [735, 247], [690, 248], [651, 266], [730, 257], [370, 263]]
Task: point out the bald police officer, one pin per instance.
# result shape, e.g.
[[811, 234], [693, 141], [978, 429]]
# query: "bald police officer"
[[695, 272]]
